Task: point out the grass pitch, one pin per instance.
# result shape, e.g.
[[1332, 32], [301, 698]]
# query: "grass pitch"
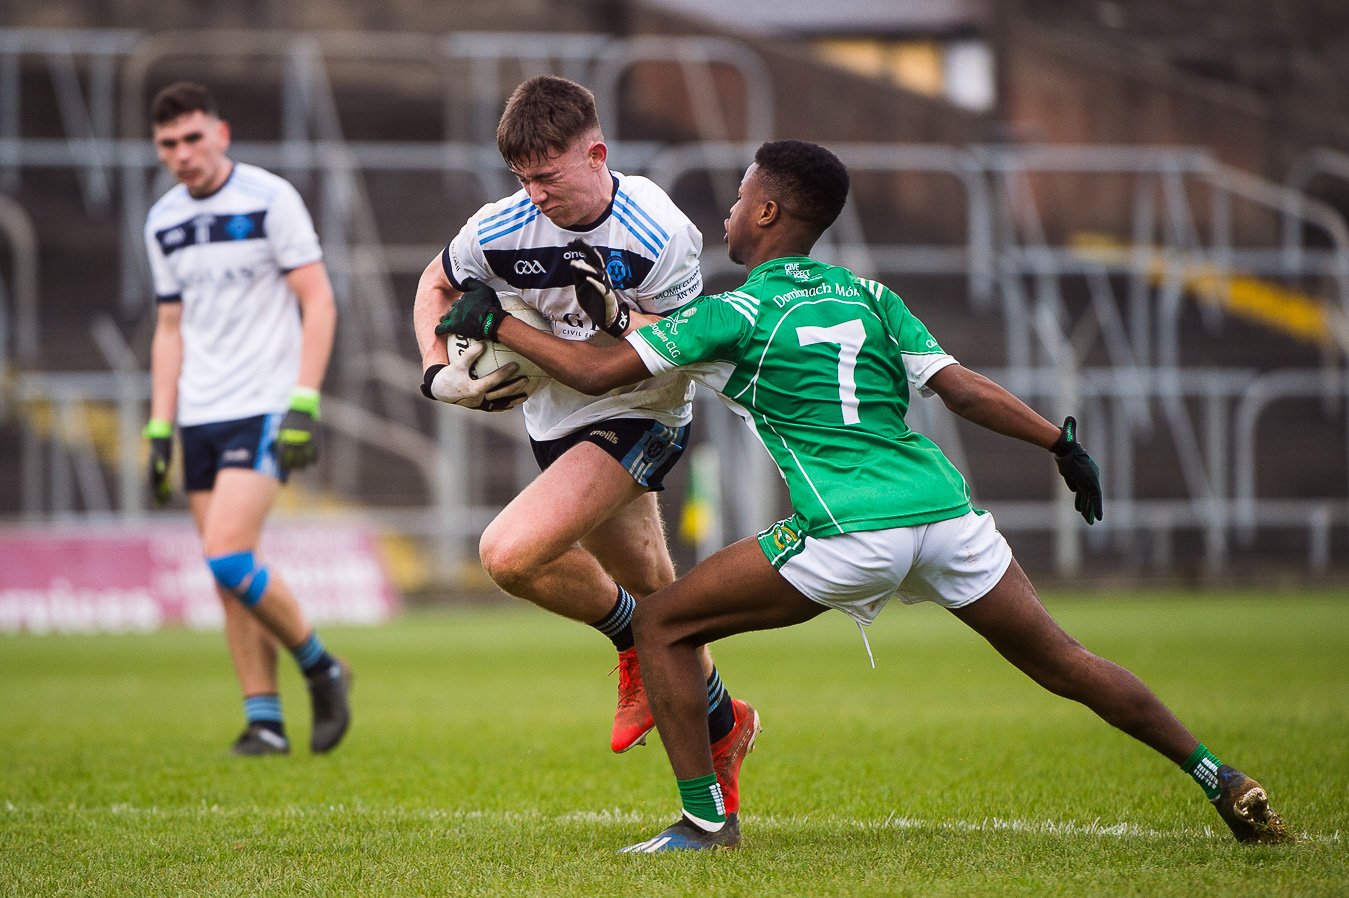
[[478, 763]]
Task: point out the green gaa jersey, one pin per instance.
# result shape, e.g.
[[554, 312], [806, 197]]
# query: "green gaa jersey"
[[819, 362]]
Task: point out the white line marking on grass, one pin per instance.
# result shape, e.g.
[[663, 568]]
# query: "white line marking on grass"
[[615, 816]]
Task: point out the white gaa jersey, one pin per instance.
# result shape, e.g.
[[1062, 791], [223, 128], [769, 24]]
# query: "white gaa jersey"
[[225, 257], [651, 250]]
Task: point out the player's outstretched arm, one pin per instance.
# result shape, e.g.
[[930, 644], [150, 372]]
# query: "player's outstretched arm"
[[982, 401], [589, 369], [978, 399]]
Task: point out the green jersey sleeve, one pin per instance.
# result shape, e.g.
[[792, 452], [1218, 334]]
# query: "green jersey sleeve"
[[920, 351], [705, 338]]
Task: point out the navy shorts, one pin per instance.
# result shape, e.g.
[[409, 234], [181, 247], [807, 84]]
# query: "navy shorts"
[[245, 443], [646, 449]]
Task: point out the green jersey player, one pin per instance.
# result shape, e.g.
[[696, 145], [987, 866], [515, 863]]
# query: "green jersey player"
[[820, 363]]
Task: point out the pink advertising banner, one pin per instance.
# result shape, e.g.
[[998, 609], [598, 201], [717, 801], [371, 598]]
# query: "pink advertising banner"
[[139, 579]]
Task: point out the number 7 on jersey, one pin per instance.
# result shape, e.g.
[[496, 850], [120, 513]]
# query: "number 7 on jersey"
[[848, 337]]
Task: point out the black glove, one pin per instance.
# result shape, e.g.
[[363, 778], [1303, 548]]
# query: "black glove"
[[594, 291], [160, 434], [296, 441], [477, 314], [1079, 472]]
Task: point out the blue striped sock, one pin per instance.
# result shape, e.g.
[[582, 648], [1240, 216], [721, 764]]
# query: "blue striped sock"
[[720, 714], [617, 624], [311, 655], [266, 710]]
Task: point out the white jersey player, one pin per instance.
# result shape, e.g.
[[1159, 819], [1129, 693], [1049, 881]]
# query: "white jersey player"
[[224, 257], [650, 250], [585, 539], [243, 332]]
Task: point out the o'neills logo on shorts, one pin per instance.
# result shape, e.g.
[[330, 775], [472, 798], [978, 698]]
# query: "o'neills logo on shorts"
[[606, 435], [240, 454]]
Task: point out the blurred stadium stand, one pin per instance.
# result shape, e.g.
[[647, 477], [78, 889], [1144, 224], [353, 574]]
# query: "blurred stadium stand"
[[1122, 241]]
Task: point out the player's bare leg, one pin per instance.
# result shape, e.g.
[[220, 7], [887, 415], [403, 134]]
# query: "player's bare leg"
[[531, 549], [630, 545], [252, 648], [238, 509], [734, 591], [232, 525], [580, 531], [1015, 622], [253, 654]]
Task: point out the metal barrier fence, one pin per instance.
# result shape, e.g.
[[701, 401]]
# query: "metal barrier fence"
[[1117, 357]]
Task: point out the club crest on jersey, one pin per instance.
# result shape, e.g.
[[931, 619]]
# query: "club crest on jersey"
[[239, 227], [784, 535], [618, 269]]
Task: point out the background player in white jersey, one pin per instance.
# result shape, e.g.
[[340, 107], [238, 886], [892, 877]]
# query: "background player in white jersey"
[[585, 539], [242, 338], [819, 362]]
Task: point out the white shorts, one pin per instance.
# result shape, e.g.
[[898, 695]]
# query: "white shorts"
[[951, 563]]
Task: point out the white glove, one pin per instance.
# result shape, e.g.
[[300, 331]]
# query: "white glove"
[[452, 383]]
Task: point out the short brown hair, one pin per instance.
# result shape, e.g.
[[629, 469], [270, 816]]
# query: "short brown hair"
[[179, 99], [544, 116]]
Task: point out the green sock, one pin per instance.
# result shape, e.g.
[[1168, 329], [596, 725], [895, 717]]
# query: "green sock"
[[702, 801], [1203, 766]]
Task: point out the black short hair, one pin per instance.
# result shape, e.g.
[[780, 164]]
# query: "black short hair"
[[180, 99], [807, 180]]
